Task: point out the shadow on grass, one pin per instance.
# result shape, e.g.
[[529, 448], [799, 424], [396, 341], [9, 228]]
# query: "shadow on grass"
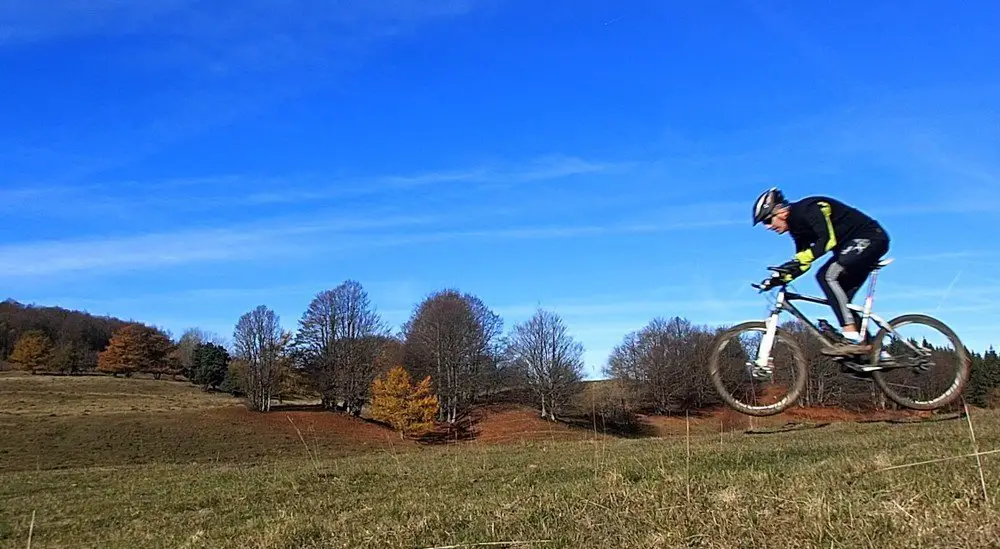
[[319, 409], [462, 430], [791, 426], [303, 408], [626, 429]]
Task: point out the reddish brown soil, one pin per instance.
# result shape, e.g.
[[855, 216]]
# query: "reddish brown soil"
[[507, 423], [235, 434], [727, 419], [501, 424], [68, 422], [226, 434], [314, 425]]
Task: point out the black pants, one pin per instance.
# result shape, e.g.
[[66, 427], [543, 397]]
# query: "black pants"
[[842, 276]]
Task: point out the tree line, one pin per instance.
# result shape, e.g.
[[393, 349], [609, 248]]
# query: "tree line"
[[71, 339], [341, 349]]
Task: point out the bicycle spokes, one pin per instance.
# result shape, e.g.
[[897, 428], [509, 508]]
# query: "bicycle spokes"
[[754, 383], [923, 364]]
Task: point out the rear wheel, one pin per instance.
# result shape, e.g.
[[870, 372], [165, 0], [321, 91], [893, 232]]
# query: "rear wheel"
[[927, 370], [761, 393]]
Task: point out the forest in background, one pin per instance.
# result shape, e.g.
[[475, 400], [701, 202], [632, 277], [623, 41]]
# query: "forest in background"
[[452, 340]]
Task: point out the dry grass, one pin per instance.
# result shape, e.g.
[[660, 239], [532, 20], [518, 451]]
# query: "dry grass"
[[27, 395], [812, 488], [69, 422]]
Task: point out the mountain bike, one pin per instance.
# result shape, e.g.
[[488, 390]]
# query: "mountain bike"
[[754, 359]]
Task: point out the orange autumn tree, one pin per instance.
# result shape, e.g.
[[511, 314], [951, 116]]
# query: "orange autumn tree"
[[408, 408], [136, 347], [33, 351]]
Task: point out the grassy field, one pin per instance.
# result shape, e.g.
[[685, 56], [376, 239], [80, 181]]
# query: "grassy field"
[[208, 474]]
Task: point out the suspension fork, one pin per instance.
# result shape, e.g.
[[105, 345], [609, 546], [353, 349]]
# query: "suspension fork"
[[764, 354]]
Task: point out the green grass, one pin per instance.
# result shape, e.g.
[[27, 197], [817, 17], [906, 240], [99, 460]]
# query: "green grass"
[[807, 489], [810, 488]]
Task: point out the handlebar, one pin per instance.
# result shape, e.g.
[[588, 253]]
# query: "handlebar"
[[777, 269]]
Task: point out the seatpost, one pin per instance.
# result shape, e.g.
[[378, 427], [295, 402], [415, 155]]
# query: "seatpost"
[[868, 303]]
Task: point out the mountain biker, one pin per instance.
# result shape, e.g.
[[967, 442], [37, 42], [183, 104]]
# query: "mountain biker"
[[818, 225]]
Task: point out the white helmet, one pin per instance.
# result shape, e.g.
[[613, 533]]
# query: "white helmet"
[[766, 203]]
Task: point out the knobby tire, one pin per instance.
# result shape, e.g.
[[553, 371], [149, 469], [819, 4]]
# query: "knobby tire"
[[781, 335], [959, 382]]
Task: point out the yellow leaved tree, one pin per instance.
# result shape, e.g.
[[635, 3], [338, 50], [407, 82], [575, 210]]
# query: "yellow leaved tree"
[[33, 351], [408, 408], [137, 348]]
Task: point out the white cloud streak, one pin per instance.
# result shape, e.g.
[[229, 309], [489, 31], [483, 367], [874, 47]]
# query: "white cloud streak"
[[174, 248], [277, 24], [942, 256], [223, 62], [246, 243], [665, 308], [206, 193], [28, 22], [538, 170]]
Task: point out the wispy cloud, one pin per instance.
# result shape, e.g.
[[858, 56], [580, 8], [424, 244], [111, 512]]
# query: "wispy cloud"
[[536, 170], [223, 62], [242, 243], [941, 256], [25, 22], [939, 141], [207, 193], [965, 205], [174, 248], [527, 233], [212, 295], [18, 198], [595, 308], [217, 306], [976, 294], [294, 23]]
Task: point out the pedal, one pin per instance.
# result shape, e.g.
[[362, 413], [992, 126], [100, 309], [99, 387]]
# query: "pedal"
[[760, 373], [922, 366], [827, 329], [857, 371]]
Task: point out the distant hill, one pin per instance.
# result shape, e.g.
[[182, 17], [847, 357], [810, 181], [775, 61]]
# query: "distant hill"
[[81, 332]]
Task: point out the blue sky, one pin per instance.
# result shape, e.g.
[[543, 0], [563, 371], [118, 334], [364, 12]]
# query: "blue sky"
[[180, 162]]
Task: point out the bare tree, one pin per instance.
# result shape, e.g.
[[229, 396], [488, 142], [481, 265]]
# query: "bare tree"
[[184, 352], [259, 342], [626, 366], [186, 345], [390, 354], [339, 339], [667, 361], [453, 338], [825, 385], [549, 359], [315, 346]]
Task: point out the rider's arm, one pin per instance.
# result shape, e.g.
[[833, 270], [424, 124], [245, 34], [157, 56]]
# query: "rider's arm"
[[818, 215]]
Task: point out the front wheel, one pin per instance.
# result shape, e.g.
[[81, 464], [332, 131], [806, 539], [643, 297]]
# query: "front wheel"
[[744, 386], [920, 373]]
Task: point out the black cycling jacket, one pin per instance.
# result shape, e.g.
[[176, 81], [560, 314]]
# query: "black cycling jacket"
[[819, 224]]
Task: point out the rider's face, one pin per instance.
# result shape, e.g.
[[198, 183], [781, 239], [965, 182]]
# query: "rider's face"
[[779, 222]]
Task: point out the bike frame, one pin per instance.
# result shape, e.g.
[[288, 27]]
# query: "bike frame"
[[783, 303]]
